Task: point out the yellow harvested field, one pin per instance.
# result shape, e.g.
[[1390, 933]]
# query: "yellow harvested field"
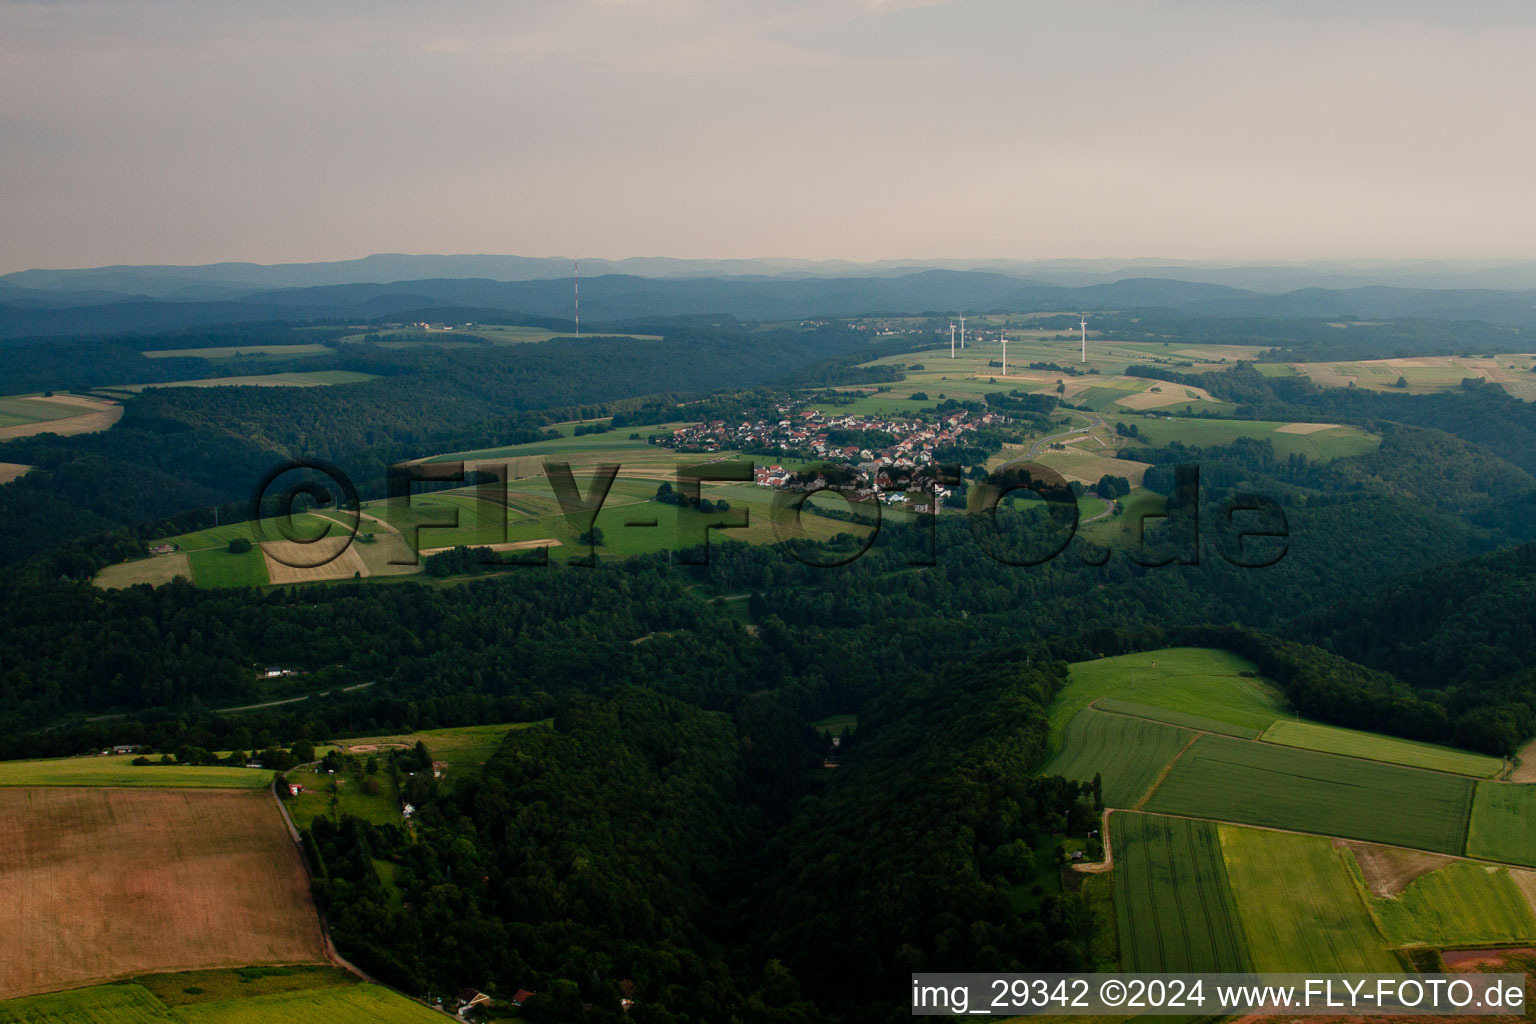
[[1304, 428], [345, 566], [103, 884], [11, 470], [1525, 771]]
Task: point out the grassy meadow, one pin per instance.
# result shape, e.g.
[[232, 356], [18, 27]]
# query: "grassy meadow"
[[1196, 681]]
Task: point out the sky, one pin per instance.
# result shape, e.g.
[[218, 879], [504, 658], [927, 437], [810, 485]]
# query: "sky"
[[162, 131]]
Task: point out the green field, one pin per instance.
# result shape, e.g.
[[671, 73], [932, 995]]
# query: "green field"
[[1504, 823], [116, 770], [1127, 753], [1284, 787], [1461, 904], [354, 1004], [216, 567], [1179, 718], [1372, 746], [103, 1004], [1195, 681], [1173, 903], [1322, 445], [1300, 908], [186, 987], [135, 1004]]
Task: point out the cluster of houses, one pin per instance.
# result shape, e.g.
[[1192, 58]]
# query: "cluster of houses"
[[807, 434]]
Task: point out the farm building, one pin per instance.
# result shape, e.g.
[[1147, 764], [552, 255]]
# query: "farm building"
[[294, 789], [521, 996], [469, 999]]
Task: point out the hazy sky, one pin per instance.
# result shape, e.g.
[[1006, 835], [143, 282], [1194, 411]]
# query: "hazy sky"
[[158, 131]]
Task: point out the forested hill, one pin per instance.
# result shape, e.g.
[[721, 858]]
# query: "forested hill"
[[605, 858], [619, 296], [1465, 626]]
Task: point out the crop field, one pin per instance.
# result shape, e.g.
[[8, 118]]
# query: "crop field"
[[1331, 442], [26, 415], [1284, 787], [1173, 903], [1461, 904], [19, 409], [1127, 753], [1332, 739], [1301, 910], [343, 1002], [236, 351], [1196, 681], [201, 878], [1423, 375], [117, 770], [1504, 823], [1179, 718]]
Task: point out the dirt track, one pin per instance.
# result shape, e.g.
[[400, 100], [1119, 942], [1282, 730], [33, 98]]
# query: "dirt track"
[[105, 883]]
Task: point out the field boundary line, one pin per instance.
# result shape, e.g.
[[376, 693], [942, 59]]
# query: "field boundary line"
[[1162, 776], [1470, 858]]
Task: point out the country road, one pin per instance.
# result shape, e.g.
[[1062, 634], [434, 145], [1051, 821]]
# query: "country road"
[[1034, 449]]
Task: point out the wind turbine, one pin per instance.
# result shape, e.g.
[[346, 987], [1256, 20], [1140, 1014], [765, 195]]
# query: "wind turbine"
[[1085, 337], [951, 339], [1003, 337], [962, 330]]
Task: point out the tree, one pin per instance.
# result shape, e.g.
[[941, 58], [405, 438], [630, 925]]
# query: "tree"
[[1402, 382], [304, 751], [371, 766], [239, 545]]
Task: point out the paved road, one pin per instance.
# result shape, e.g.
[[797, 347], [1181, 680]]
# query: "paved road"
[[1034, 449]]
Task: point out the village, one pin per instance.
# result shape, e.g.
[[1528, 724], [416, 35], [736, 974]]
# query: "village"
[[903, 449]]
